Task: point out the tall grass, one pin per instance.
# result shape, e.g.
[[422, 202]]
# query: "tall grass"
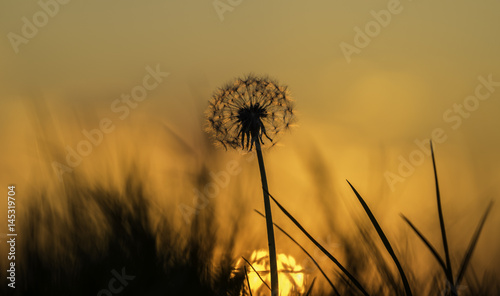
[[105, 229], [451, 282], [451, 286]]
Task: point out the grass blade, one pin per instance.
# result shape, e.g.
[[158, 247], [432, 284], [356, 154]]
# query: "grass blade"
[[307, 253], [449, 272], [472, 244], [384, 240], [330, 256], [310, 287], [427, 243], [248, 262], [248, 281]]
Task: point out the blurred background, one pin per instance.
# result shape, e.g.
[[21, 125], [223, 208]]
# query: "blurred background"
[[372, 82]]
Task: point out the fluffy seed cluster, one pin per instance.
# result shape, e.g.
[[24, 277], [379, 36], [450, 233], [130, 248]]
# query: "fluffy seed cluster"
[[247, 110]]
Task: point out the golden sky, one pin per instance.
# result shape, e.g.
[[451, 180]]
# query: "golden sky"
[[370, 79]]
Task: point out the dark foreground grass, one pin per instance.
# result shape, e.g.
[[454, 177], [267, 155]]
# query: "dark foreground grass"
[[107, 233], [79, 246], [452, 285]]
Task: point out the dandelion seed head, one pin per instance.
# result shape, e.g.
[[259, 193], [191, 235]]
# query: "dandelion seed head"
[[247, 110]]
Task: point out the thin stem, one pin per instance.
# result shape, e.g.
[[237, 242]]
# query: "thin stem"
[[330, 256], [248, 281], [449, 273], [472, 245], [384, 239], [427, 243], [269, 222], [257, 273], [307, 253]]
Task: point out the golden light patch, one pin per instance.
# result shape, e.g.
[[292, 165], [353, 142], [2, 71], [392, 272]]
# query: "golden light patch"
[[291, 275]]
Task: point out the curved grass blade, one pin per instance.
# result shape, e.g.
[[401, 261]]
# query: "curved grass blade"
[[384, 240], [330, 256], [307, 253], [248, 281], [472, 245], [248, 262], [427, 243], [311, 287], [449, 272]]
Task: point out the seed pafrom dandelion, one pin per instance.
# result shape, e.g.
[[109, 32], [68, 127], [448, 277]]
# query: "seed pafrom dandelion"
[[247, 110]]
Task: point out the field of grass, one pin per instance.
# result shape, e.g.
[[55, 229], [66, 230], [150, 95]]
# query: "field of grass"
[[101, 240]]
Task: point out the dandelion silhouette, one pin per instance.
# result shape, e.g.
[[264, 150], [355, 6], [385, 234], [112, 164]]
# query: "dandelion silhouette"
[[252, 111], [249, 110]]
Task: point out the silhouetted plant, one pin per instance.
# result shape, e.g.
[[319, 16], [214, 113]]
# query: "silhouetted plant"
[[452, 284], [252, 111], [101, 229]]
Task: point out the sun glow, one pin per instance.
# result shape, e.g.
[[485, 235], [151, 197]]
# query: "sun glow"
[[291, 275]]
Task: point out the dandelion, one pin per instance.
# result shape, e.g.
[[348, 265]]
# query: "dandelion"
[[252, 112], [249, 110]]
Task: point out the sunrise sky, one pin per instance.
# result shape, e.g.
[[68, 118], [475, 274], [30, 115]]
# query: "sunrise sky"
[[372, 80]]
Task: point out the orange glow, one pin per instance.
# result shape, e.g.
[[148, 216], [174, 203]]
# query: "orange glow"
[[291, 275]]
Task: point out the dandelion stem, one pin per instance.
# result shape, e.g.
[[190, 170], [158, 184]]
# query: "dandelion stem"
[[307, 253], [269, 222]]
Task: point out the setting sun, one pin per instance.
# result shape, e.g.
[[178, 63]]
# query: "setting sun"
[[292, 276]]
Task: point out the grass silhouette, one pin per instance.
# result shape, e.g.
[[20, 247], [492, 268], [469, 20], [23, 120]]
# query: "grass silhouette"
[[78, 257], [446, 265], [72, 248], [451, 287]]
